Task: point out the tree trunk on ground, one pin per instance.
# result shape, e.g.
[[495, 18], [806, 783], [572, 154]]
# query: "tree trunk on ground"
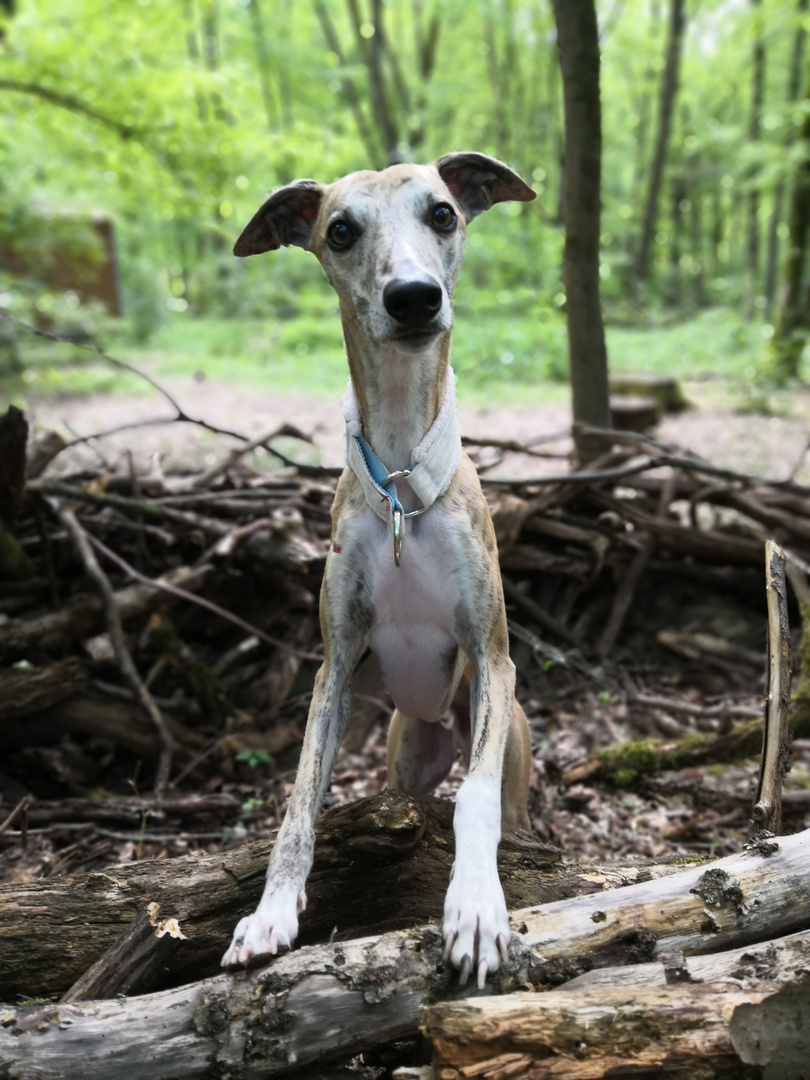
[[793, 317], [693, 1032], [380, 864], [578, 41], [339, 999], [669, 89], [734, 1010]]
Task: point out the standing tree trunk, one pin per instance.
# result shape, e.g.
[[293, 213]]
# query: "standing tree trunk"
[[696, 244], [643, 109], [262, 63], [669, 89], [396, 100], [678, 196], [794, 84], [578, 42], [347, 87], [793, 319], [381, 109], [752, 227]]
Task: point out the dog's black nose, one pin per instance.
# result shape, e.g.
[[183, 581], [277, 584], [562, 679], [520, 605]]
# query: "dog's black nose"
[[413, 303]]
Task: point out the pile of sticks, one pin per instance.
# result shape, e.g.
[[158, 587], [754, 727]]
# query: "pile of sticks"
[[165, 612], [173, 618]]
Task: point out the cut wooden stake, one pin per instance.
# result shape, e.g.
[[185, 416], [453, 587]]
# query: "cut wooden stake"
[[767, 812]]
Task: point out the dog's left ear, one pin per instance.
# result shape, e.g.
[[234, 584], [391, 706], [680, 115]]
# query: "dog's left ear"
[[287, 218], [477, 181]]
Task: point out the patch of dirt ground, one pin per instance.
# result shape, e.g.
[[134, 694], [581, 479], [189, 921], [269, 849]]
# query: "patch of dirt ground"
[[768, 446]]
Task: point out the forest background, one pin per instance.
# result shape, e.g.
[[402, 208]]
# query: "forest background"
[[175, 119]]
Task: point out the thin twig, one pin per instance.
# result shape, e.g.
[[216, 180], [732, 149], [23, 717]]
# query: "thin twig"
[[641, 560], [209, 605], [511, 446], [689, 708], [20, 808], [643, 463], [180, 415], [540, 615], [288, 430], [116, 631]]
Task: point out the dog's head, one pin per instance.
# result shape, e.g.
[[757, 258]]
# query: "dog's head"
[[391, 242]]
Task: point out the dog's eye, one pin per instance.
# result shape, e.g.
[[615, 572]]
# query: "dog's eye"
[[339, 236], [443, 218]]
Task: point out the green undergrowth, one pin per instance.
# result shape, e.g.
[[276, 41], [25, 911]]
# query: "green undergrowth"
[[505, 347]]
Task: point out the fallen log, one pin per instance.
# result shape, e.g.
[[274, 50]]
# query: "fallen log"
[[624, 762], [83, 616], [760, 894], [29, 691], [666, 391], [381, 863], [323, 1002], [133, 963], [331, 1001], [688, 1032], [769, 961], [653, 1020], [121, 723]]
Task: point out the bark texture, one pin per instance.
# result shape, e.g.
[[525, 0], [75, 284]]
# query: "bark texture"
[[331, 1001], [578, 40], [669, 90], [687, 1032], [793, 321], [381, 863]]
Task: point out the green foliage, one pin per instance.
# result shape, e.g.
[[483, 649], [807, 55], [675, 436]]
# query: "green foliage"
[[254, 757], [177, 119]]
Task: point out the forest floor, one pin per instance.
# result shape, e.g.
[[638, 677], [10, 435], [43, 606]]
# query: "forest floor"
[[764, 445], [576, 704]]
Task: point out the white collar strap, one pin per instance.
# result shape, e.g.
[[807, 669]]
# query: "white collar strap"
[[434, 462]]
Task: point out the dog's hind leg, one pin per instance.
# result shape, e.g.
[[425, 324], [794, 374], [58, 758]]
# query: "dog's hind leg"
[[420, 754]]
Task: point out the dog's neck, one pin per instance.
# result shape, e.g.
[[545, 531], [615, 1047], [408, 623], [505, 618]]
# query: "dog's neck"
[[398, 393]]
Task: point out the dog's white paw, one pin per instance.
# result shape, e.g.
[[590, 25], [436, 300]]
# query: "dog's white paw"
[[476, 925], [272, 926]]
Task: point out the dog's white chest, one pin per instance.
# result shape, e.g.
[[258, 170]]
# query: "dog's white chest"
[[414, 606]]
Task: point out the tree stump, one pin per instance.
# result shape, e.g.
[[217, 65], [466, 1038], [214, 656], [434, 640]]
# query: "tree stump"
[[664, 390], [633, 413]]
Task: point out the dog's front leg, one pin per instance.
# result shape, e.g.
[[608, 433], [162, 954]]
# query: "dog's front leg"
[[476, 924], [274, 923]]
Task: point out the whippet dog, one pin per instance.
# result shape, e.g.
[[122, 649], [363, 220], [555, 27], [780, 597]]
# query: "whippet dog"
[[412, 571]]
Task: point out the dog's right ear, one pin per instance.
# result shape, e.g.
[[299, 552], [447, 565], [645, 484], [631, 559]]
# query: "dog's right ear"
[[287, 217], [478, 181]]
